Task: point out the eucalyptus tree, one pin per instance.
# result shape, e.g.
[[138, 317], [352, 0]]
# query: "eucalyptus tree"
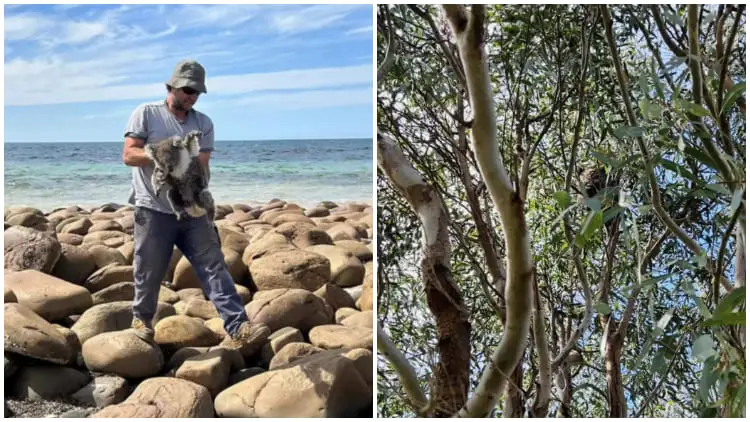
[[561, 210]]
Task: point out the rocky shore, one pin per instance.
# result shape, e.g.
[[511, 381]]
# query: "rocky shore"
[[305, 273]]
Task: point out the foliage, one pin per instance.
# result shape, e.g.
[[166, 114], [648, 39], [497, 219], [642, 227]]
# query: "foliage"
[[684, 351]]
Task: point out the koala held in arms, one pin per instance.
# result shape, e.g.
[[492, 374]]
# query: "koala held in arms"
[[177, 168]]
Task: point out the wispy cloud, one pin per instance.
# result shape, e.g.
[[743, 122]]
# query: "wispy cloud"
[[98, 60], [362, 30], [307, 19], [214, 16], [82, 83], [25, 26], [310, 99]]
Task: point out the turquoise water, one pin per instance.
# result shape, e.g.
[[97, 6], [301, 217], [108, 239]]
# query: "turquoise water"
[[51, 175]]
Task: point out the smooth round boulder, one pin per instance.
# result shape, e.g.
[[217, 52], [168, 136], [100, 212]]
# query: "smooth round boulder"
[[303, 234], [47, 382], [346, 269], [108, 276], [178, 331], [163, 397], [296, 269], [356, 248], [111, 238], [27, 248], [103, 391], [50, 297], [327, 384], [75, 264], [115, 293], [358, 319], [335, 296], [104, 255], [113, 316], [28, 334], [341, 337], [289, 308], [122, 353]]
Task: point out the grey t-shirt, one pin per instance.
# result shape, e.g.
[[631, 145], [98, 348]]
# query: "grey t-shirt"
[[153, 122]]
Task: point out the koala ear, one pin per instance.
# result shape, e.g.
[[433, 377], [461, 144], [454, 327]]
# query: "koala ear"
[[176, 141]]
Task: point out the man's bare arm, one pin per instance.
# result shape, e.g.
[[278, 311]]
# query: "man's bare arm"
[[133, 153], [204, 157]]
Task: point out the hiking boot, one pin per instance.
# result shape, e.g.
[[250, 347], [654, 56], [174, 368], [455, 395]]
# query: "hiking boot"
[[248, 339], [143, 330]]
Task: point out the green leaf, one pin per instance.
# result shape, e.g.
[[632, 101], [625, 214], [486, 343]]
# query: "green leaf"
[[611, 213], [664, 320], [650, 110], [643, 83], [736, 201], [728, 318], [653, 280], [655, 334], [687, 286], [708, 379], [701, 155], [732, 95], [703, 348], [563, 198], [692, 108], [657, 83], [677, 168], [604, 159], [602, 308], [590, 226], [659, 364], [628, 131], [702, 260], [731, 301], [562, 214], [593, 204], [718, 188]]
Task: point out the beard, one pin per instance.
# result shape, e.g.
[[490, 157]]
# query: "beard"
[[178, 105]]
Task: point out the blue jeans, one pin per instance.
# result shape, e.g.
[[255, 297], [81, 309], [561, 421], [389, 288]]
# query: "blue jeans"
[[155, 235]]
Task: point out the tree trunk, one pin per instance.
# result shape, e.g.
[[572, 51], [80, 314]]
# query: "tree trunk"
[[453, 329], [451, 382], [513, 405], [615, 389]]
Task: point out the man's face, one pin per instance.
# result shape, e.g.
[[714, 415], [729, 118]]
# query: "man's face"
[[185, 98]]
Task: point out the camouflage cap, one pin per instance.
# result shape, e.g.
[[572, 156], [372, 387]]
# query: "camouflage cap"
[[188, 73]]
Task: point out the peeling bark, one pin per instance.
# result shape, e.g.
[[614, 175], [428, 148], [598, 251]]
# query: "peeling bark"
[[451, 382]]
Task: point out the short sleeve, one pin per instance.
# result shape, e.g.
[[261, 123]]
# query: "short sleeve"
[[136, 127], [207, 140]]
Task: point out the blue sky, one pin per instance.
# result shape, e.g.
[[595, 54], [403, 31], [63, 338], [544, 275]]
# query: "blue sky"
[[75, 73]]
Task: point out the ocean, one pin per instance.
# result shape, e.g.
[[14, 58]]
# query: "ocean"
[[89, 174]]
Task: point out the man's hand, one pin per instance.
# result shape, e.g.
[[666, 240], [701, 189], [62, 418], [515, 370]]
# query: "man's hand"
[[133, 153]]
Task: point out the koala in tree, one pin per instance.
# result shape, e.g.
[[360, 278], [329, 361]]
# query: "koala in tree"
[[178, 169]]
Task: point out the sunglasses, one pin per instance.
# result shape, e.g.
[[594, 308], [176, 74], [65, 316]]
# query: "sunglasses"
[[190, 91]]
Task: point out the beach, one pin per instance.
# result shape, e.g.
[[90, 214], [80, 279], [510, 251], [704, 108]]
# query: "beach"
[[304, 275], [295, 222]]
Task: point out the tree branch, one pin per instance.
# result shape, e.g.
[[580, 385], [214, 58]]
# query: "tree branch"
[[468, 29], [443, 295], [390, 52], [405, 371], [655, 193]]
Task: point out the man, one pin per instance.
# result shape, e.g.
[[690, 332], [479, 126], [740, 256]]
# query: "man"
[[156, 228]]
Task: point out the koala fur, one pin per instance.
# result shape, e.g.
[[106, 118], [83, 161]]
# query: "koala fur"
[[178, 169]]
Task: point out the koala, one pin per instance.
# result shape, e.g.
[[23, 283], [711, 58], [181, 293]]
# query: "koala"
[[178, 169]]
